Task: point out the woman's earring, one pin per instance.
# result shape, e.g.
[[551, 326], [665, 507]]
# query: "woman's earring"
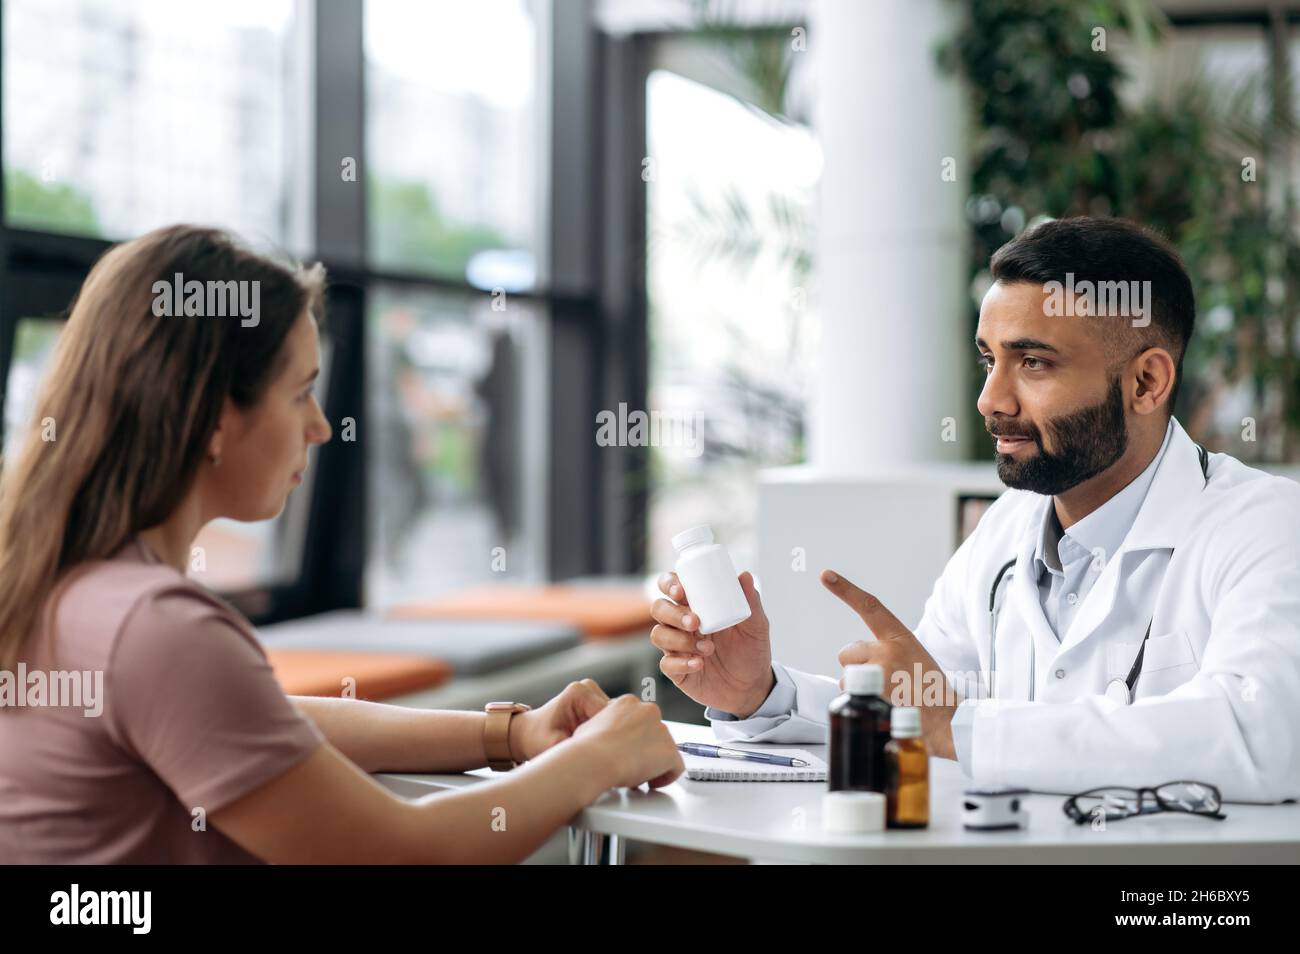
[[216, 459]]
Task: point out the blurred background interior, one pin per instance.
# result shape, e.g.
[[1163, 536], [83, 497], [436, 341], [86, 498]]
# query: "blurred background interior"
[[774, 214]]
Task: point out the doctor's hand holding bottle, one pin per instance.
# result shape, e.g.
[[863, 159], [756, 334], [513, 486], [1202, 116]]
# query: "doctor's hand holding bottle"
[[731, 669]]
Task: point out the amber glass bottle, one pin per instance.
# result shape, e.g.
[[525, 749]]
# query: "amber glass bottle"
[[907, 791]]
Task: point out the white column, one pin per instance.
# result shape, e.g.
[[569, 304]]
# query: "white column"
[[891, 249]]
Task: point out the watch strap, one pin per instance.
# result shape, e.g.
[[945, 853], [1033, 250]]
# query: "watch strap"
[[496, 734]]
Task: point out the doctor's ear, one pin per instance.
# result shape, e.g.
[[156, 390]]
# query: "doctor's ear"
[[1155, 371]]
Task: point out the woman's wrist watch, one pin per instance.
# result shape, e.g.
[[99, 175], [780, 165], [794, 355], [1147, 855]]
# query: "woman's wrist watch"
[[496, 734]]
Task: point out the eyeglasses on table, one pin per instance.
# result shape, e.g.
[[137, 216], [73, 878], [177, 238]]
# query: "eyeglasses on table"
[[1113, 802]]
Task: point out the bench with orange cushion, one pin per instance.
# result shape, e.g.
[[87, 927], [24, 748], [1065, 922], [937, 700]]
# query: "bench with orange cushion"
[[375, 676], [471, 647], [599, 611]]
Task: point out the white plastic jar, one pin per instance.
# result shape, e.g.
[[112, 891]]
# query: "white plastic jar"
[[708, 576]]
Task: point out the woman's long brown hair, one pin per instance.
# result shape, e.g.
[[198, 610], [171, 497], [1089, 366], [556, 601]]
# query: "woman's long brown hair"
[[131, 401]]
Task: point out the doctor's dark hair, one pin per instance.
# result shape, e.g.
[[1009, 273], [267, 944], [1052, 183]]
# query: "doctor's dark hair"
[[1110, 250]]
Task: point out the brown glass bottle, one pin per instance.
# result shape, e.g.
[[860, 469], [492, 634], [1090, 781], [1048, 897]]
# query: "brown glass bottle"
[[907, 760], [859, 732]]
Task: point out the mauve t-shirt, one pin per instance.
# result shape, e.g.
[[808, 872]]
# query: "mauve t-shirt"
[[192, 718]]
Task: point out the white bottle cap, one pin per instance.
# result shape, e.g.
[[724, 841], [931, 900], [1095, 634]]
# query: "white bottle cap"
[[853, 812], [864, 679], [689, 538], [905, 722]]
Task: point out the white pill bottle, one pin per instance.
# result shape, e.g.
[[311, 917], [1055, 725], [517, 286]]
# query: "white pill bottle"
[[709, 578]]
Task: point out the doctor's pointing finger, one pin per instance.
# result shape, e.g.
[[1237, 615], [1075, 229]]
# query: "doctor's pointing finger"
[[913, 676]]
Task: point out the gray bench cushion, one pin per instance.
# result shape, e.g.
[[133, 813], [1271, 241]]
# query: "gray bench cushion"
[[471, 647]]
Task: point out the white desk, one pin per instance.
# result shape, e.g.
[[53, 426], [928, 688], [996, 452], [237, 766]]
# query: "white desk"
[[781, 822]]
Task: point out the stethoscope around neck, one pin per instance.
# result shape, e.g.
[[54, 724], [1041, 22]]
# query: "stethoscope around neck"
[[1120, 690]]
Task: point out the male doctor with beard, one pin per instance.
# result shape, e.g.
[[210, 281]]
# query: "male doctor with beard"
[[1128, 613]]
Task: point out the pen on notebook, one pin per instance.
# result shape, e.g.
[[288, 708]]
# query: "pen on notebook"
[[718, 752]]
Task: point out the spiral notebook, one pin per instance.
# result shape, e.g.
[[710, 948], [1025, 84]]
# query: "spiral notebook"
[[701, 768]]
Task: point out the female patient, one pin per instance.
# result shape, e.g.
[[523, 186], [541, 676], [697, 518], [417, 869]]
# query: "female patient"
[[146, 428]]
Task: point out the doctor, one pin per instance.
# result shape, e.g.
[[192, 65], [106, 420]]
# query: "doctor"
[[1128, 613]]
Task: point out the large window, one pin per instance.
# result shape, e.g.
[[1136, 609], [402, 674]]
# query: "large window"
[[124, 115], [456, 157], [452, 136], [454, 423], [729, 201]]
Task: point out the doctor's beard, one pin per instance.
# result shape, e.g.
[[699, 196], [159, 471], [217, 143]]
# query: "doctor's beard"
[[1087, 442]]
